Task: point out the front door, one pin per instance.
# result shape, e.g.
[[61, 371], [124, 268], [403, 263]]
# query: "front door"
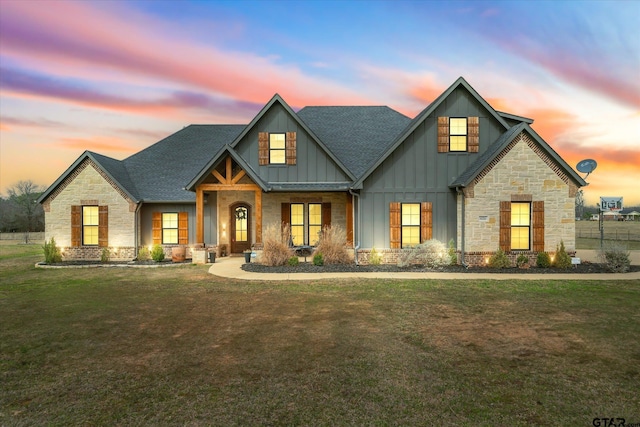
[[240, 228]]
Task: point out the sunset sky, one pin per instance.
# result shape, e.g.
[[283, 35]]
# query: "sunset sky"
[[115, 77]]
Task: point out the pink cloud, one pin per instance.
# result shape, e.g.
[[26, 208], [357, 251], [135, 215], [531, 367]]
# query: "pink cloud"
[[594, 79], [29, 123], [37, 86], [98, 144], [81, 36], [549, 123]]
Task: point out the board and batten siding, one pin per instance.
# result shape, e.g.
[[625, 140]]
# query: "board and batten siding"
[[210, 222], [415, 172], [312, 162]]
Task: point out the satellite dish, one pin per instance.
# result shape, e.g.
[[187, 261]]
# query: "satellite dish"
[[586, 166]]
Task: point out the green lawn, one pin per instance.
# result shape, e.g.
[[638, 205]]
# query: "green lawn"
[[167, 346]]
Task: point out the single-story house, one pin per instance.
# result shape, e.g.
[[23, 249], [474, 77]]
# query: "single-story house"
[[611, 216], [459, 171]]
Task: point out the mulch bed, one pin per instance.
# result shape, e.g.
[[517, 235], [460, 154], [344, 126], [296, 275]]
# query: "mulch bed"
[[89, 263], [584, 268]]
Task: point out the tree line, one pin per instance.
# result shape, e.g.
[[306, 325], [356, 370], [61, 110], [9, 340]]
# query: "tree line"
[[20, 211]]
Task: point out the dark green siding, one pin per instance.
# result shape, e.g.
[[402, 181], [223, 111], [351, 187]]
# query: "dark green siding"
[[312, 162], [416, 172]]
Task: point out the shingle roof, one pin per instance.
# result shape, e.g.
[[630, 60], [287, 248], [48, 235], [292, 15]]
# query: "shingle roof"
[[500, 144], [357, 138], [162, 170], [118, 172], [356, 135], [413, 124]]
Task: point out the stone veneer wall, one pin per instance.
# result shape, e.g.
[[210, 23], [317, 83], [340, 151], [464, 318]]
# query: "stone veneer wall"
[[226, 199], [522, 171], [88, 186], [271, 208], [272, 205]]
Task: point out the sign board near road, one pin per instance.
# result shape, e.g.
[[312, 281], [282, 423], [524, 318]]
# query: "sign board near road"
[[610, 204]]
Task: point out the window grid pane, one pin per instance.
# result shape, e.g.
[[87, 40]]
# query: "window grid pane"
[[90, 235], [170, 236], [458, 143], [410, 213], [314, 234], [458, 134], [277, 146], [170, 228], [520, 238], [297, 223], [410, 236], [315, 223], [90, 222], [315, 214], [297, 234], [520, 214], [520, 226], [89, 215], [458, 126]]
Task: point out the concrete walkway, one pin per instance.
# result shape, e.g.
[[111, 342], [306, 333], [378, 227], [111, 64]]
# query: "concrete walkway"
[[231, 267]]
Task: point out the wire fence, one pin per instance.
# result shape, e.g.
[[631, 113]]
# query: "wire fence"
[[614, 234], [31, 237]]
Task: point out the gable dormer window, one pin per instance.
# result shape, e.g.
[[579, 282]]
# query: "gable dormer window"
[[276, 148], [458, 134]]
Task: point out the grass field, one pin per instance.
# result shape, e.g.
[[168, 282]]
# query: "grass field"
[[626, 233], [177, 346]]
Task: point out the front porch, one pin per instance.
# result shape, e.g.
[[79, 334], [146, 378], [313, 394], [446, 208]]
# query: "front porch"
[[243, 208]]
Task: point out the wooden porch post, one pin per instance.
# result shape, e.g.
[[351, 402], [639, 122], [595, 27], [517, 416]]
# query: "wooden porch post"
[[199, 216], [258, 215], [349, 216]]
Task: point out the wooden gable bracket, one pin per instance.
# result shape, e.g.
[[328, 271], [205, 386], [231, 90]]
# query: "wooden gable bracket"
[[228, 182], [228, 179]]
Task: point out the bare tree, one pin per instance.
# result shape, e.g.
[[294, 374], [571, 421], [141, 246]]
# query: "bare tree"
[[24, 196]]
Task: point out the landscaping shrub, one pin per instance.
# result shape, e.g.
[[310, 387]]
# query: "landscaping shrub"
[[317, 259], [293, 261], [453, 256], [276, 250], [499, 260], [616, 257], [431, 254], [522, 260], [157, 253], [333, 245], [143, 254], [106, 255], [543, 260], [374, 257], [51, 252], [562, 258]]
